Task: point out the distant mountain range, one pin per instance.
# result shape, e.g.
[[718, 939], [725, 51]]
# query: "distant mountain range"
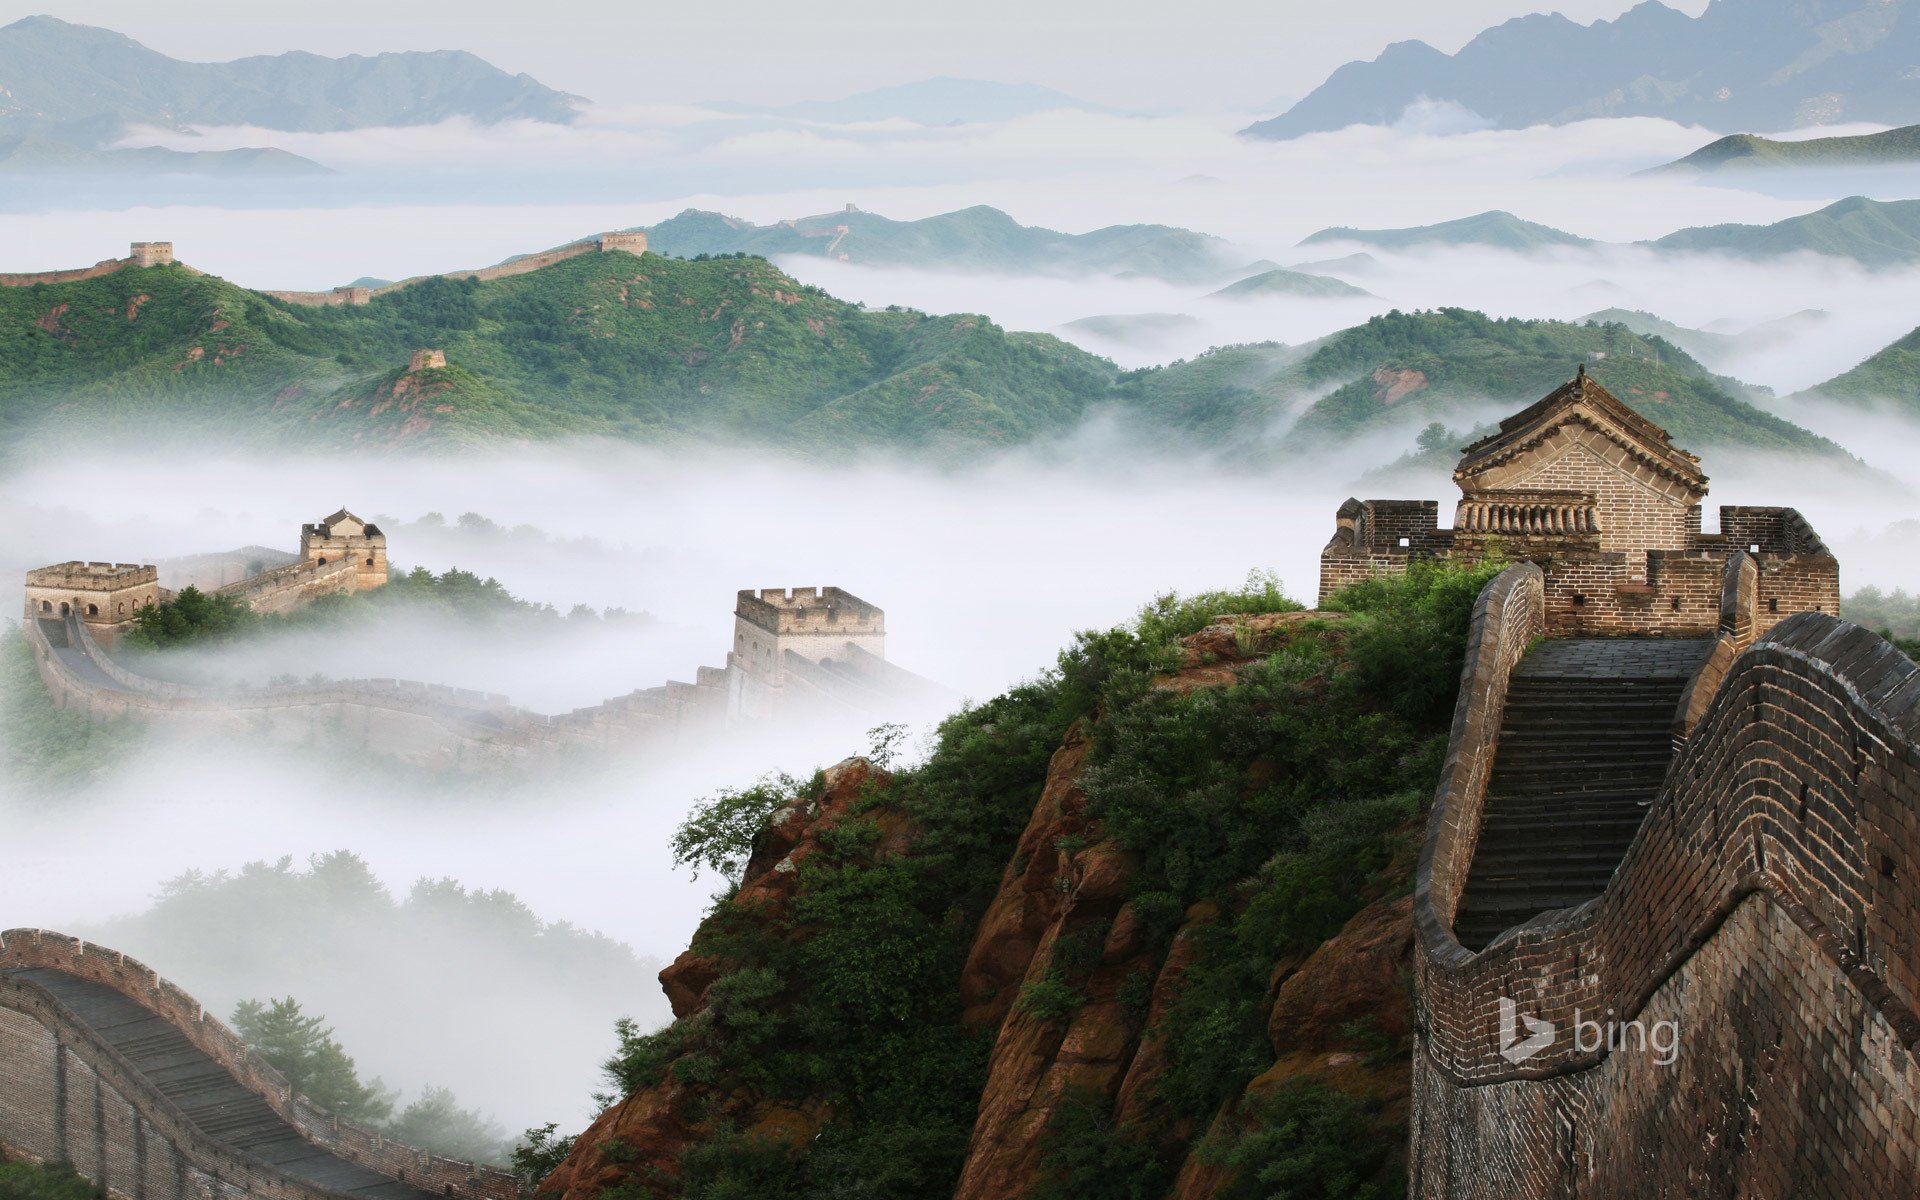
[[1741, 64], [1713, 345], [75, 85], [1870, 232], [732, 350], [933, 102], [1499, 229], [38, 155], [1746, 151], [1446, 364], [972, 239]]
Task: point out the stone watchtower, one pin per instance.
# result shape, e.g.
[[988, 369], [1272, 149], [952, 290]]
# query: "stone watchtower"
[[151, 254], [1604, 502], [785, 640], [634, 242], [425, 360], [104, 595], [344, 535]]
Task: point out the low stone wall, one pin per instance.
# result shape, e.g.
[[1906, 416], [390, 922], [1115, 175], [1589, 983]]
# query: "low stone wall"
[[1770, 906], [66, 1094]]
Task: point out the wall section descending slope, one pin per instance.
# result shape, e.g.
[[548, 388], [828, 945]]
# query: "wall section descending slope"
[[107, 1066], [1769, 909]]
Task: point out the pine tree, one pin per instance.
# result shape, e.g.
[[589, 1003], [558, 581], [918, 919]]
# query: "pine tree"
[[302, 1048]]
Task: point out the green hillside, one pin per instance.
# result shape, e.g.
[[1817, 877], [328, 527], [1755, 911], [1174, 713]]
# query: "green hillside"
[[972, 239], [647, 348], [1870, 232], [1501, 230], [663, 350], [1890, 376], [1282, 282], [1746, 151], [1403, 368]]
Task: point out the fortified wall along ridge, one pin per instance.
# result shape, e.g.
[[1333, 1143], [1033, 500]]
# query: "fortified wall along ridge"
[[1667, 907], [796, 653]]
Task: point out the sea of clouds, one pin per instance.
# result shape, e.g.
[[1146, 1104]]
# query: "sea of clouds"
[[985, 571]]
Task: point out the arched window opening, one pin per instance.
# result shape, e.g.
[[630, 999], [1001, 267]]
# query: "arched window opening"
[[93, 610], [64, 610], [46, 606], [369, 560]]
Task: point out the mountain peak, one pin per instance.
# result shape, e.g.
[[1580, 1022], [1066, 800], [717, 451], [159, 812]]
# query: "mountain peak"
[[1795, 63]]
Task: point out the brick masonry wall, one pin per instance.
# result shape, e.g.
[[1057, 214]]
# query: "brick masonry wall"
[[1508, 616], [1770, 905], [296, 585], [65, 1094], [1638, 509]]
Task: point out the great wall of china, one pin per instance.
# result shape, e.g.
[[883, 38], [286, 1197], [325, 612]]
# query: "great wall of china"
[[154, 254], [1683, 800], [107, 1066], [1667, 913], [796, 652]]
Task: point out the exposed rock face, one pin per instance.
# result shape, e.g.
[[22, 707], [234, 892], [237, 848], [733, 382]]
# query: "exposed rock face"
[[638, 1142], [1060, 918]]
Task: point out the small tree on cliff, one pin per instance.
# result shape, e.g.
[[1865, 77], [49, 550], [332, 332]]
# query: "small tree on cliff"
[[302, 1048]]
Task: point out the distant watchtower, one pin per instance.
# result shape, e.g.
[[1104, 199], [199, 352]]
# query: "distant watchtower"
[[634, 242], [811, 624], [427, 360], [151, 254], [344, 535], [105, 595]]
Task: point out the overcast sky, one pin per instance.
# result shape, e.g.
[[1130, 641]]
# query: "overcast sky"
[[1133, 53]]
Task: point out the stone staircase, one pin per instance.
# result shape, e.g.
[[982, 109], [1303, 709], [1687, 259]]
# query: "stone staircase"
[[1584, 746]]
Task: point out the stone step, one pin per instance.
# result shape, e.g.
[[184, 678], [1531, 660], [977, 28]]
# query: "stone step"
[[1584, 748]]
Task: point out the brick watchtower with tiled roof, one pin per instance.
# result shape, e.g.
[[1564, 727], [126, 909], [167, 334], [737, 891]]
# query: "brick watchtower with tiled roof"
[[344, 535], [1609, 507]]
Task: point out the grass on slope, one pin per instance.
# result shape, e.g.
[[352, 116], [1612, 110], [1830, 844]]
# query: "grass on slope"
[[639, 347], [1890, 376]]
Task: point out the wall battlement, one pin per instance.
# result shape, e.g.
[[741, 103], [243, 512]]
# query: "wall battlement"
[[810, 610]]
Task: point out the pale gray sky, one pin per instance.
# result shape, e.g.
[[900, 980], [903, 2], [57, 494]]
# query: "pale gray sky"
[[1131, 53]]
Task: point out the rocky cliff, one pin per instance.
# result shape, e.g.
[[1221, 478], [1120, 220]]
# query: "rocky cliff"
[[1107, 1017]]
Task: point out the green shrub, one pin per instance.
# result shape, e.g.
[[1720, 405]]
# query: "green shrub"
[[1049, 998], [1310, 1142], [51, 1181]]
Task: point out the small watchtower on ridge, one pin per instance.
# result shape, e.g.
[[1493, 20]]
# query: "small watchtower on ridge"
[[345, 536]]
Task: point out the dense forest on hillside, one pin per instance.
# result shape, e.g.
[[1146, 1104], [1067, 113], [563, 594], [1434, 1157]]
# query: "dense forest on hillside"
[[731, 349]]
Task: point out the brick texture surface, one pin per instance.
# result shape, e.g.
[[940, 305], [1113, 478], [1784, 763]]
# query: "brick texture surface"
[[1770, 908]]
